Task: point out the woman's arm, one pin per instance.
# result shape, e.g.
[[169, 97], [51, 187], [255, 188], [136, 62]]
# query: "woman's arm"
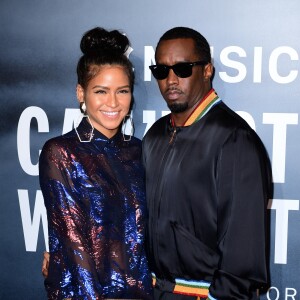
[[71, 269]]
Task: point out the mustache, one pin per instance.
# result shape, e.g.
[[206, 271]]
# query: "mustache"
[[173, 89]]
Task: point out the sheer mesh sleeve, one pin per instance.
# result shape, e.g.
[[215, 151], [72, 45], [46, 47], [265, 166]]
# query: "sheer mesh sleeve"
[[71, 268]]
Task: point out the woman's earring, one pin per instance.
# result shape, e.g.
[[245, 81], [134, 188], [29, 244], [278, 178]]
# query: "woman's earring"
[[85, 115], [127, 119], [83, 107]]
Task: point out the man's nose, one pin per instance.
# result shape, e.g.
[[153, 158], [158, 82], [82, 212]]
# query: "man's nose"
[[172, 77]]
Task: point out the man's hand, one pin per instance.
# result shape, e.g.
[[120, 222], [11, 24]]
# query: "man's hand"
[[45, 265]]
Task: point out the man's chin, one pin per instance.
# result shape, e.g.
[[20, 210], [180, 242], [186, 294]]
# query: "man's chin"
[[177, 108]]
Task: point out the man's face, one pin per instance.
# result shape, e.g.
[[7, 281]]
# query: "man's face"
[[182, 94]]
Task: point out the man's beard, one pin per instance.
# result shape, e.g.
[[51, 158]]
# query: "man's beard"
[[178, 107]]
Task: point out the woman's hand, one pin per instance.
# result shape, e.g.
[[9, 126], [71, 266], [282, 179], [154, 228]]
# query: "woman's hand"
[[45, 265]]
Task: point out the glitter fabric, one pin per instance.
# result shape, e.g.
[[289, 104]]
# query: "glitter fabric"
[[95, 199]]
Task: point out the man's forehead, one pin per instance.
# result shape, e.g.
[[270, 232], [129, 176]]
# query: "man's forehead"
[[176, 49]]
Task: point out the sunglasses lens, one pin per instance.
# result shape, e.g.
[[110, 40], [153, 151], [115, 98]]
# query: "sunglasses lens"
[[183, 70], [160, 72]]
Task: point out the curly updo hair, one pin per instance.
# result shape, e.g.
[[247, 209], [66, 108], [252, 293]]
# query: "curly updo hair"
[[101, 47]]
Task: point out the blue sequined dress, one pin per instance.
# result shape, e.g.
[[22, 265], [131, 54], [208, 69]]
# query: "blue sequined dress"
[[95, 199]]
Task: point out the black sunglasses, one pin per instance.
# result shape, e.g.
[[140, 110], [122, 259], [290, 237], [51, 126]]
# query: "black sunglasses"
[[182, 69]]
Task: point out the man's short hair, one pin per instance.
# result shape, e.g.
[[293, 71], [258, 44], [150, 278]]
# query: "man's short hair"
[[201, 45]]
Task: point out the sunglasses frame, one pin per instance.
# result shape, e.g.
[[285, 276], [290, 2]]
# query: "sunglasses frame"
[[167, 68]]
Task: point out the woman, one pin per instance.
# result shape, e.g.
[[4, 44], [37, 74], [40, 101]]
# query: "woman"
[[93, 185]]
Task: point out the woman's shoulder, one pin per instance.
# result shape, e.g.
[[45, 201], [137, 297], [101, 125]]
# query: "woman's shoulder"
[[135, 140], [59, 144], [134, 145]]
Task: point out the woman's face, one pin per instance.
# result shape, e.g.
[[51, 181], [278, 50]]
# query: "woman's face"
[[107, 98]]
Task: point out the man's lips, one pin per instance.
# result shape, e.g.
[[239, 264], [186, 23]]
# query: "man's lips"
[[173, 94]]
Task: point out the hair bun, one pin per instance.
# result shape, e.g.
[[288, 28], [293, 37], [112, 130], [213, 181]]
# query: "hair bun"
[[99, 40]]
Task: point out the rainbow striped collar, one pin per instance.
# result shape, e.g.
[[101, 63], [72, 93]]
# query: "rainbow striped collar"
[[202, 108]]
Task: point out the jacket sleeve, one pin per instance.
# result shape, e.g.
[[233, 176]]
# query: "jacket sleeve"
[[244, 187], [71, 269]]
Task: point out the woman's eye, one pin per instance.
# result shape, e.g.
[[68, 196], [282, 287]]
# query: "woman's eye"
[[100, 92], [124, 91]]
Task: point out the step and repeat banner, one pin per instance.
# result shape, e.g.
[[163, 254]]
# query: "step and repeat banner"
[[256, 48]]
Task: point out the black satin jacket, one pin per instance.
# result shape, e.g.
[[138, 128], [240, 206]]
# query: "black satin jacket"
[[207, 194]]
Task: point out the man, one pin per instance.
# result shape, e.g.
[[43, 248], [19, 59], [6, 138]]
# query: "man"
[[208, 180]]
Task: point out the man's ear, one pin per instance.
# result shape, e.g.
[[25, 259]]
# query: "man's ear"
[[208, 71], [80, 93]]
